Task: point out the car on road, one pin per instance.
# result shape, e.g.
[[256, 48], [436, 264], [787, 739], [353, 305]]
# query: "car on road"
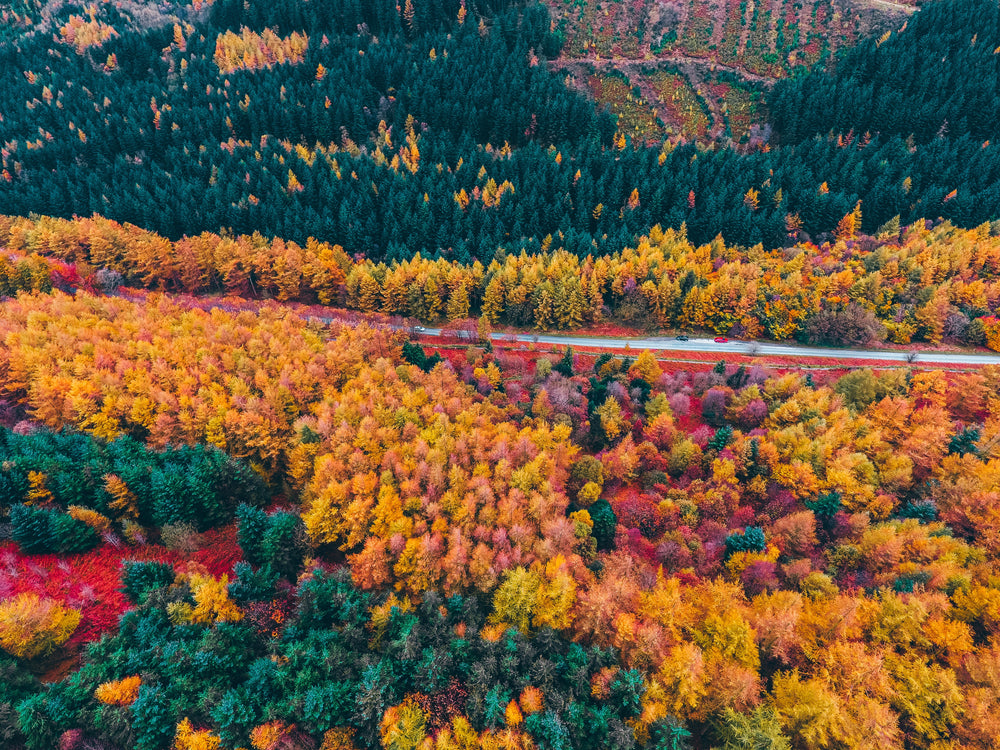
[[721, 340], [682, 337], [419, 329]]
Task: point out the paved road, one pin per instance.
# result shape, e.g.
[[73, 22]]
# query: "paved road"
[[759, 349]]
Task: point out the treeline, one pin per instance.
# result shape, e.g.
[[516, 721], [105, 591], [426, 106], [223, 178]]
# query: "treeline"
[[443, 102], [919, 283], [935, 77]]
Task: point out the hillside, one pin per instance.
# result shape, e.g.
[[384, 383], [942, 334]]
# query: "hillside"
[[698, 69], [454, 139]]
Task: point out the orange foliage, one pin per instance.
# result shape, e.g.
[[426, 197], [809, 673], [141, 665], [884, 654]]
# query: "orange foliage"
[[111, 366], [427, 485], [249, 50], [86, 32], [765, 292], [119, 693]]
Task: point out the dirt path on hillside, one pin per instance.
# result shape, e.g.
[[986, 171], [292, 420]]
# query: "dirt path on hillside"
[[891, 6], [624, 63]]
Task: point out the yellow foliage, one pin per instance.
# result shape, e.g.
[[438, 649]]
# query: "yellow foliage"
[[340, 738], [512, 715], [83, 32], [683, 679], [379, 615], [120, 692], [809, 711], [212, 602], [38, 493], [403, 727], [515, 600], [92, 518], [249, 50], [404, 462], [31, 626], [188, 738], [610, 415], [646, 368], [555, 597]]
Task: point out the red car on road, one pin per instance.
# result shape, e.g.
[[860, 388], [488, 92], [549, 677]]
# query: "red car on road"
[[721, 340]]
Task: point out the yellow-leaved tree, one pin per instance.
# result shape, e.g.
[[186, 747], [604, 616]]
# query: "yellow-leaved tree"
[[119, 692], [31, 626]]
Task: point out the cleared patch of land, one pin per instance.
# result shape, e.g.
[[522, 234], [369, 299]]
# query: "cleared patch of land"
[[698, 69]]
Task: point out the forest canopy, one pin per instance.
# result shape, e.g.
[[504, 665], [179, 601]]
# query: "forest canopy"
[[453, 137]]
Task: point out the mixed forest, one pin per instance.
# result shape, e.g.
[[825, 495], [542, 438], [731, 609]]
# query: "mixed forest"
[[323, 537], [244, 505], [454, 138]]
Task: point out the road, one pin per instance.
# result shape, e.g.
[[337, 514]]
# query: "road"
[[756, 349]]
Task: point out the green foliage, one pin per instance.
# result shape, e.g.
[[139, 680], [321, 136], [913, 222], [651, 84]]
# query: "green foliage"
[[965, 441], [669, 734], [36, 725], [235, 717], [329, 705], [750, 540], [759, 730], [73, 535], [605, 522], [872, 87], [199, 485], [277, 541], [253, 585], [139, 578], [721, 438], [565, 365], [627, 690], [42, 530], [415, 355], [152, 719], [32, 529], [548, 731], [325, 669], [825, 505], [16, 682]]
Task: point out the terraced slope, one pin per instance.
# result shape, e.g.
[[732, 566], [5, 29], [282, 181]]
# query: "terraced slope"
[[697, 69]]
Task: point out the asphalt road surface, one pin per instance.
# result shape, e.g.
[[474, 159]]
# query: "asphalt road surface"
[[751, 348]]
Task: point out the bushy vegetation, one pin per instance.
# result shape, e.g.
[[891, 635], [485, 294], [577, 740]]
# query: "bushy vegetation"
[[75, 484], [579, 553]]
